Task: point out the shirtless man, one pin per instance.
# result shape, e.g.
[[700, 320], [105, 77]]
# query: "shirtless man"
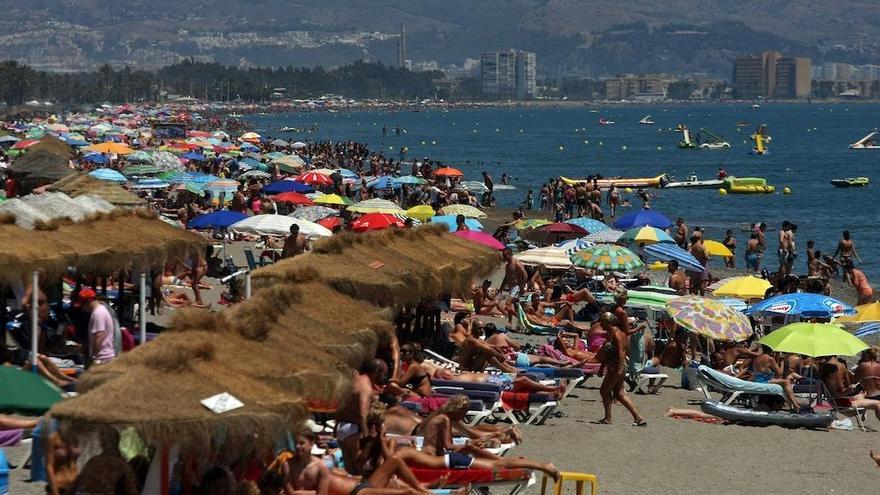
[[295, 243], [698, 279], [487, 303], [681, 233], [515, 274], [846, 249], [765, 369], [786, 248], [613, 358], [440, 452], [352, 418], [753, 253], [677, 278]]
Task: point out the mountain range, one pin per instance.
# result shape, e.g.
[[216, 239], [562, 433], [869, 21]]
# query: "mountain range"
[[587, 37]]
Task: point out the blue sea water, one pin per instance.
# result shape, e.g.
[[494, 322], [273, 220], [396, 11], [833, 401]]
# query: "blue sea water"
[[809, 148]]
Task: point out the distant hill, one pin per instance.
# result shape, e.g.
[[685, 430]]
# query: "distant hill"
[[592, 37]]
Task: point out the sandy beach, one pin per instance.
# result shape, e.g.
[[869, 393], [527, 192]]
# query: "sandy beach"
[[670, 456]]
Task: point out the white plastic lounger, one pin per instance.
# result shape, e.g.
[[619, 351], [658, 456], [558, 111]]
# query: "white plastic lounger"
[[732, 386]]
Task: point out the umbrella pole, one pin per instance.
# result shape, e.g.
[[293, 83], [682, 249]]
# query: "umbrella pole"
[[35, 324], [142, 307], [247, 285]]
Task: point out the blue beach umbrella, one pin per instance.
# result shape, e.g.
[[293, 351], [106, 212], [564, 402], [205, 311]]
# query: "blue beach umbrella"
[[449, 221], [219, 219], [195, 156], [108, 174], [382, 183], [282, 186], [640, 218], [588, 224], [803, 304], [574, 245], [96, 158], [669, 252]]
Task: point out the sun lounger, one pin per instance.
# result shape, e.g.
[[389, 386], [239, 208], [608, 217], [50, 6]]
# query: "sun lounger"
[[575, 376], [644, 378], [419, 441], [516, 479], [526, 408], [732, 387], [529, 327]]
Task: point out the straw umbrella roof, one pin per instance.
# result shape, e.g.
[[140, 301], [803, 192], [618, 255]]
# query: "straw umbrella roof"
[[104, 243], [279, 350], [81, 184], [39, 168]]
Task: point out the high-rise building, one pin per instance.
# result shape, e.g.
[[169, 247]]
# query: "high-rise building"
[[770, 75], [401, 47], [508, 74]]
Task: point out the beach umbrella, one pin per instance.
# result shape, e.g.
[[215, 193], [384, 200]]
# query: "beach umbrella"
[[376, 206], [191, 187], [275, 155], [250, 135], [645, 235], [151, 184], [561, 228], [421, 212], [669, 252], [735, 304], [590, 225], [194, 156], [748, 287], [480, 238], [315, 179], [167, 161], [108, 174], [814, 339], [293, 197], [9, 139], [298, 145], [607, 257], [27, 143], [227, 186], [280, 143], [289, 164], [332, 199], [220, 219], [410, 180], [449, 222], [606, 236], [467, 210], [22, 392], [803, 304], [110, 147], [313, 213], [532, 223], [867, 330], [865, 313], [141, 169], [279, 225], [330, 223], [139, 157], [382, 183], [574, 245], [280, 186], [640, 218], [256, 174], [709, 318], [715, 248], [549, 256], [376, 221], [448, 172], [96, 158]]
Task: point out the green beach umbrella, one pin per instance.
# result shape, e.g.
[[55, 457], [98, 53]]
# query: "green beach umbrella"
[[607, 257], [23, 392], [814, 339], [141, 169]]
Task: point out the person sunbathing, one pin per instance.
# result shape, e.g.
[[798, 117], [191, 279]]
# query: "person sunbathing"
[[402, 421], [845, 395], [440, 452], [765, 369], [559, 314], [571, 345]]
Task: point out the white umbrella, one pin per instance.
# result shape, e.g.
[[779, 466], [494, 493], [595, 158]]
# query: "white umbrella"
[[605, 236], [279, 225], [550, 256], [298, 145]]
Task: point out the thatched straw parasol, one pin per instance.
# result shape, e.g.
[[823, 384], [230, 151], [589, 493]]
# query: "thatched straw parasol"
[[82, 184]]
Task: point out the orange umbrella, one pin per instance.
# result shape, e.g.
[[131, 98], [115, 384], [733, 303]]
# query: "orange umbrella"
[[110, 147], [448, 171]]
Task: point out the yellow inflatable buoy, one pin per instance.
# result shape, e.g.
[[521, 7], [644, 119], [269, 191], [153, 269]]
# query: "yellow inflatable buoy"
[[722, 192], [786, 190], [628, 190]]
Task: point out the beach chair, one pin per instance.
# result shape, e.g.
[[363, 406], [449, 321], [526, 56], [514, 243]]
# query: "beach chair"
[[575, 376], [845, 408], [732, 387], [529, 327], [646, 377], [480, 480], [252, 262]]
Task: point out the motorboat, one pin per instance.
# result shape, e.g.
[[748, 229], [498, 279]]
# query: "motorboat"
[[694, 182], [850, 182], [711, 141], [604, 121], [605, 183], [866, 143], [646, 120], [288, 129], [742, 123]]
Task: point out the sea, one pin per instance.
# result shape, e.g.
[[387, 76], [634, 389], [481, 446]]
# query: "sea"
[[809, 147]]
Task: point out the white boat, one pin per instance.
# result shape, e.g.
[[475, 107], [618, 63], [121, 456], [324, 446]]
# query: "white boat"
[[866, 143], [288, 129], [646, 120], [715, 145], [692, 181], [604, 121]]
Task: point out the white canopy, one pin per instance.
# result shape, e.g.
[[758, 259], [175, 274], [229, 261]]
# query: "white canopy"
[[550, 256], [279, 225]]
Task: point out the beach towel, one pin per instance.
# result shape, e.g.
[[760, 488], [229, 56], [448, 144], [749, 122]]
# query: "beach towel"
[[11, 438], [515, 400], [429, 404]]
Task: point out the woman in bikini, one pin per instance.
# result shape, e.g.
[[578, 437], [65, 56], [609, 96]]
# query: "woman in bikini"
[[613, 359], [845, 395]]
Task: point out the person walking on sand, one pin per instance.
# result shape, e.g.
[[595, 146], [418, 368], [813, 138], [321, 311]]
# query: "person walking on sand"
[[613, 357]]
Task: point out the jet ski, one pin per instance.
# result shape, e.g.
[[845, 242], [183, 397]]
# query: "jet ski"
[[692, 181]]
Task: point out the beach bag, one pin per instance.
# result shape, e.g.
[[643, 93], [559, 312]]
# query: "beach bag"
[[689, 376]]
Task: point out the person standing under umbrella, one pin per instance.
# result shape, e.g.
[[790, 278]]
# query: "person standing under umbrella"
[[295, 243]]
